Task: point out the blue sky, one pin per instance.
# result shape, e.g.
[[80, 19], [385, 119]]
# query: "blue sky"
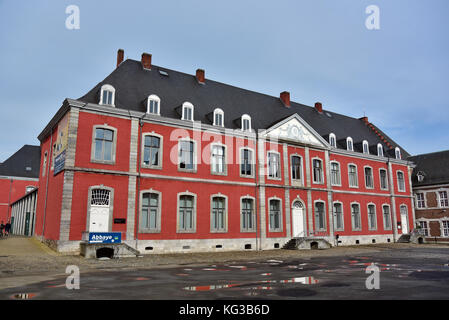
[[318, 50]]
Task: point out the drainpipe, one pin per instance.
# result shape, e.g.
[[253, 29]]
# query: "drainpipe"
[[256, 172], [139, 141], [46, 183], [390, 175]]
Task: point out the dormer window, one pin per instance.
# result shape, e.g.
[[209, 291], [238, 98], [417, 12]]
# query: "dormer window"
[[365, 147], [153, 104], [380, 150], [332, 140], [246, 122], [218, 117], [397, 153], [187, 111], [349, 144], [107, 95]]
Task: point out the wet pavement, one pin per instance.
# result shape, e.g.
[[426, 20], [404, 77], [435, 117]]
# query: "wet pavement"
[[415, 273]]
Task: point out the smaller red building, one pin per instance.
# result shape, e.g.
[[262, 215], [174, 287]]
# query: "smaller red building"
[[19, 174]]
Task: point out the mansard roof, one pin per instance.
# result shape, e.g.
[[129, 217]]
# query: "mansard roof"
[[133, 84], [24, 163], [434, 167]]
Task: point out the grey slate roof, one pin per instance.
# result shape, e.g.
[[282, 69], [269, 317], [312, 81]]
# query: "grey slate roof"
[[24, 163], [133, 85], [434, 166]]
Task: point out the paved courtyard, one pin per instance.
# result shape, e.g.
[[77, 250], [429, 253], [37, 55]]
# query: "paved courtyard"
[[406, 272]]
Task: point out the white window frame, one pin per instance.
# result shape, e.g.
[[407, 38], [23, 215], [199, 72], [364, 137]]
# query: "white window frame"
[[389, 217], [187, 105], [441, 199], [356, 176], [159, 211], [352, 217], [386, 179], [194, 213], [107, 87], [270, 227], [339, 173], [397, 153], [365, 147], [349, 142], [114, 144], [372, 177], [335, 216], [398, 182], [322, 171], [218, 111], [225, 159], [332, 138], [246, 117], [195, 160], [425, 228], [160, 156], [299, 181], [420, 201], [252, 162], [225, 227], [380, 150], [445, 229], [154, 98], [371, 228], [253, 214], [279, 168]]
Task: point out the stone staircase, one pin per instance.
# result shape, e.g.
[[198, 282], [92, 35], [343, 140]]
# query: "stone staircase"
[[304, 243], [416, 236]]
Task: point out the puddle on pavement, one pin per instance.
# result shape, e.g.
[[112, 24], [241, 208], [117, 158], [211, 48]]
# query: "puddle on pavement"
[[302, 280], [23, 296]]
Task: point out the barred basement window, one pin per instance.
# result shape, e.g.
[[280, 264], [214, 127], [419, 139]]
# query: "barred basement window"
[[100, 197]]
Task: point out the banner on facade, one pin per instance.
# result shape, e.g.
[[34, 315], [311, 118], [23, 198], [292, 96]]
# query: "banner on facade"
[[60, 148]]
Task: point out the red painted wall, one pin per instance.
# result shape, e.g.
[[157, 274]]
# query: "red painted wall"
[[10, 191]]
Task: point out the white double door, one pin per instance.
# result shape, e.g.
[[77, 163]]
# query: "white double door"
[[298, 220], [99, 219]]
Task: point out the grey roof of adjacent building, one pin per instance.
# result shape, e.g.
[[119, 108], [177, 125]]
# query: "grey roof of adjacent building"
[[133, 84], [24, 163], [434, 166]]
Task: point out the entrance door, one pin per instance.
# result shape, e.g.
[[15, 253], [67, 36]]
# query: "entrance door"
[[298, 219], [404, 220], [99, 211]]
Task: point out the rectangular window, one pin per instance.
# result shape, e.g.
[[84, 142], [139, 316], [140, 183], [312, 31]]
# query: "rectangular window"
[[296, 168], [186, 212], [317, 171], [320, 216], [420, 202], [218, 119], [247, 215], [369, 178], [383, 179], [338, 217], [443, 199], [445, 228], [218, 160], [107, 97], [372, 221], [218, 218], [424, 228], [246, 125], [151, 151], [275, 214], [355, 214], [246, 167], [273, 165], [186, 155], [387, 217], [335, 173], [187, 113], [154, 107], [44, 165], [401, 182], [352, 173], [104, 140], [150, 211]]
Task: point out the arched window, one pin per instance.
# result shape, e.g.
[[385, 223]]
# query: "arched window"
[[349, 144], [150, 220], [218, 117], [380, 150], [107, 95], [332, 140], [153, 104], [187, 111], [186, 212], [218, 214], [397, 153], [365, 147], [246, 122]]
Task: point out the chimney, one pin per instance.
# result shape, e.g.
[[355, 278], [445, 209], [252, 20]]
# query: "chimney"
[[200, 77], [364, 119], [285, 98], [319, 107], [146, 61], [120, 55]]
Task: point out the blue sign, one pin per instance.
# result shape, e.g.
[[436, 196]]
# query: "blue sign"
[[105, 237], [59, 163]]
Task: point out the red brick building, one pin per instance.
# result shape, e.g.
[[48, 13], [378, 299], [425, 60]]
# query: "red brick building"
[[19, 174], [430, 181], [179, 163]]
